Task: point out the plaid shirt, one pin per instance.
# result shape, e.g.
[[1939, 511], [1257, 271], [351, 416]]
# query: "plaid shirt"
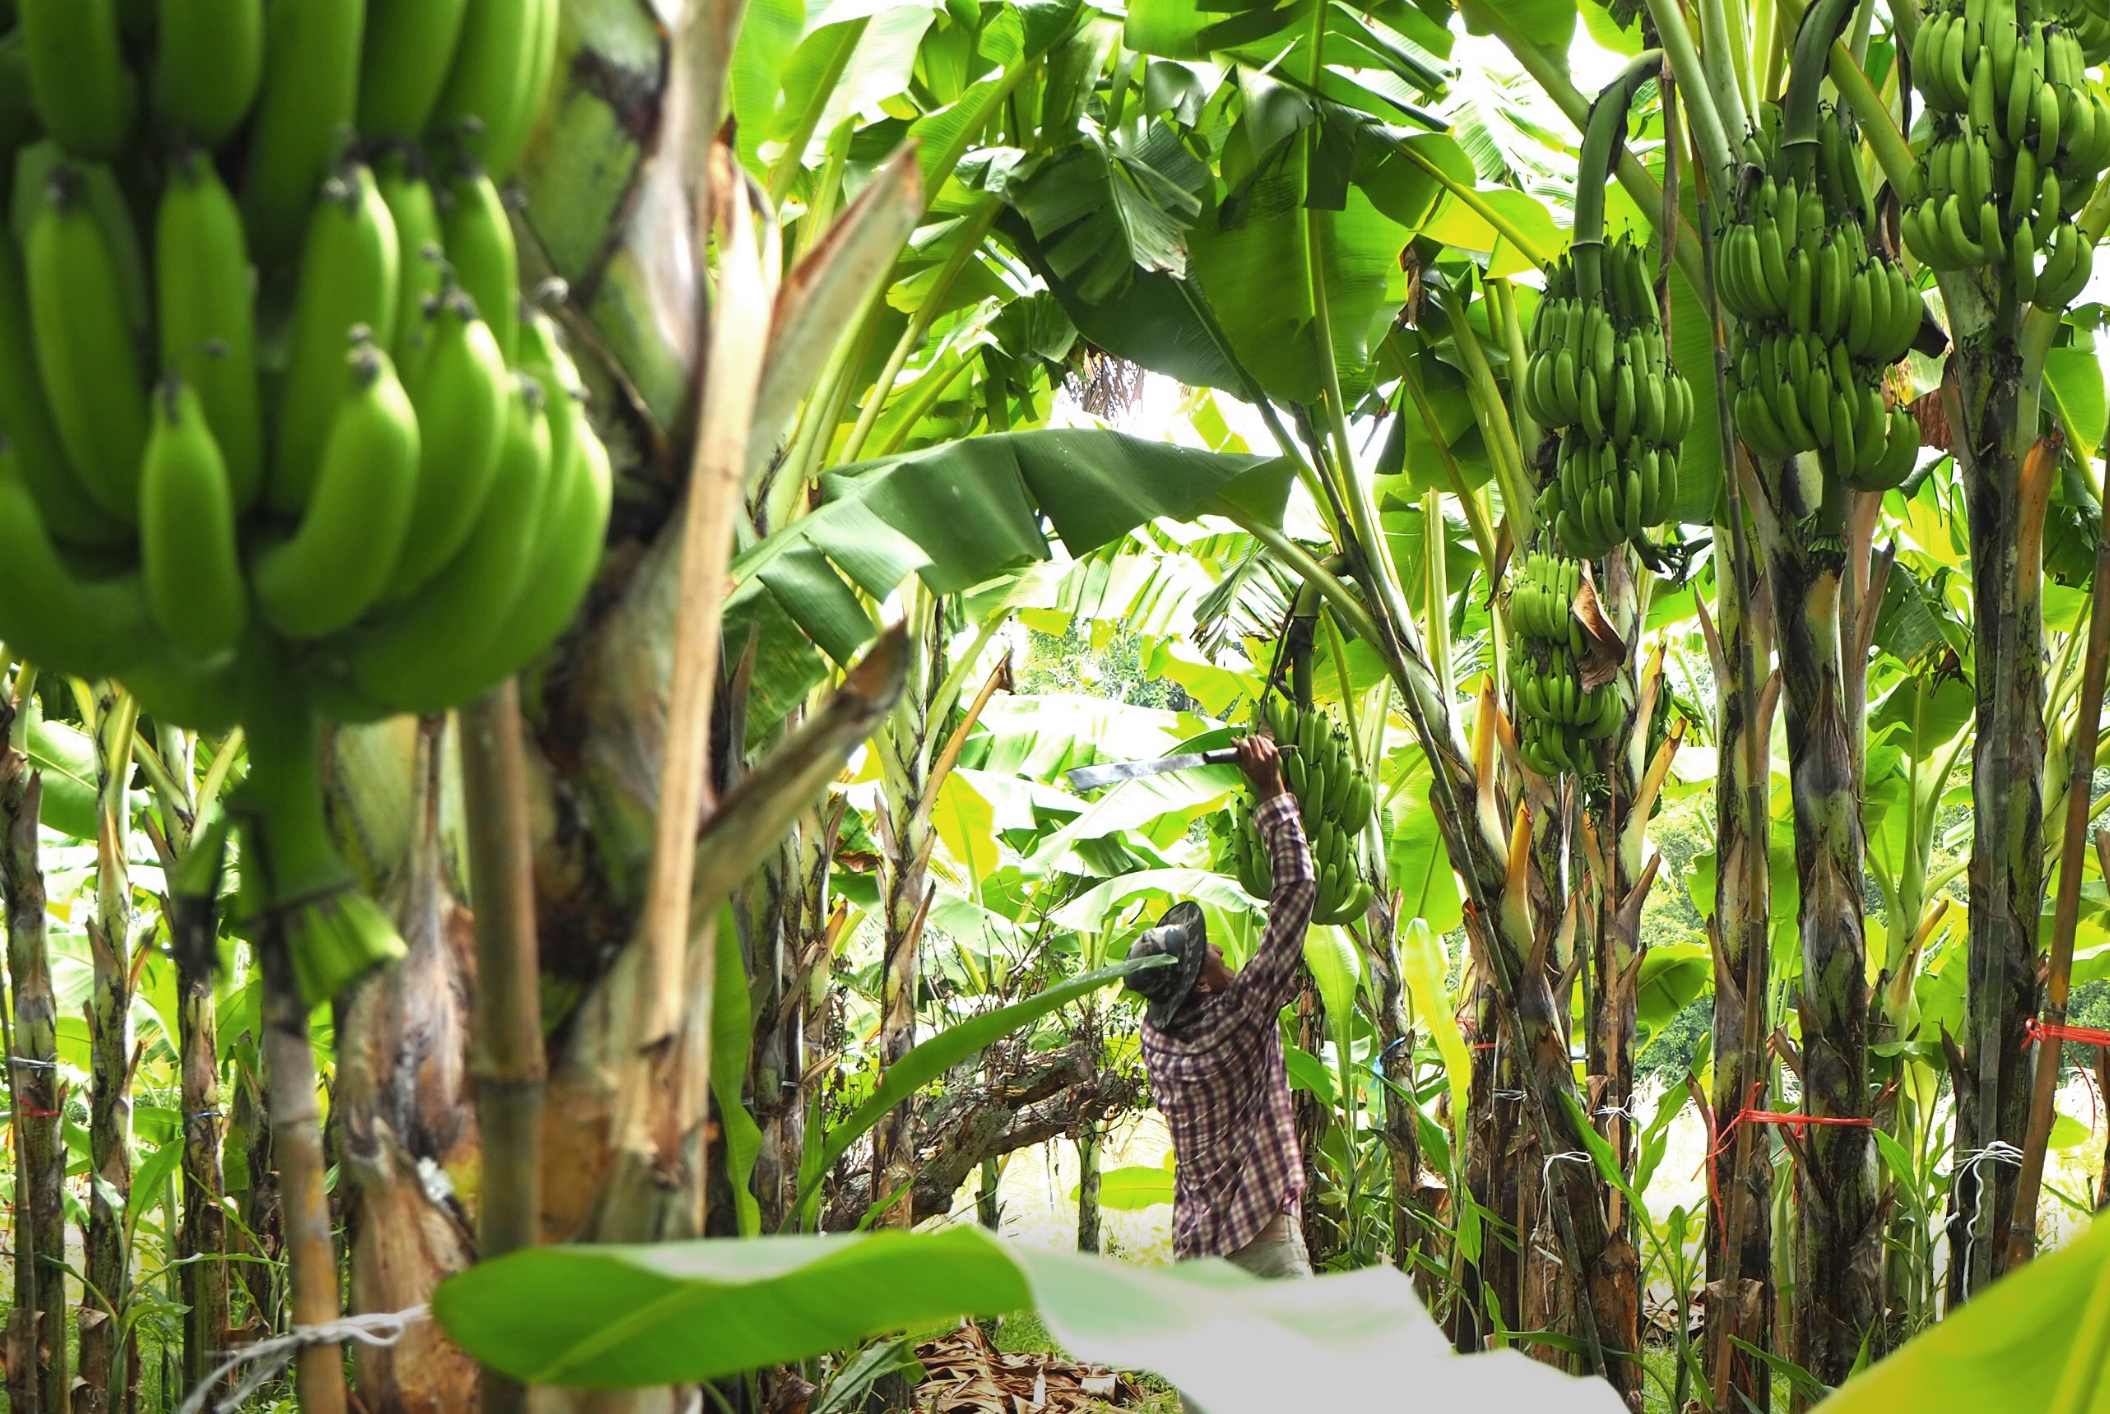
[[1218, 1075]]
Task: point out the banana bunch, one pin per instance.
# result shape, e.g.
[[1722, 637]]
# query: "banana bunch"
[[373, 490], [2020, 135], [1600, 370], [1557, 716], [2090, 22], [1817, 317], [1335, 801]]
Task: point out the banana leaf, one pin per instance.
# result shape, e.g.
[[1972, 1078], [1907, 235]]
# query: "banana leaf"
[[959, 515], [2008, 1349], [680, 1313]]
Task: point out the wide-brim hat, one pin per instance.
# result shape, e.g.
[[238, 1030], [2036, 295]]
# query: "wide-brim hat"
[[1183, 935]]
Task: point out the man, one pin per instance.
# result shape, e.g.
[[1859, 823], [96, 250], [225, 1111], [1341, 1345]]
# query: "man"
[[1213, 1047]]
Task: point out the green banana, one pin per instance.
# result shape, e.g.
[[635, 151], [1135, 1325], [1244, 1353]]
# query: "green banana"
[[479, 237], [187, 539], [84, 347], [334, 567], [36, 168], [19, 124], [349, 274], [78, 81], [208, 65], [48, 614], [501, 68], [310, 97], [409, 49], [421, 252], [208, 322], [72, 514], [408, 660], [460, 395]]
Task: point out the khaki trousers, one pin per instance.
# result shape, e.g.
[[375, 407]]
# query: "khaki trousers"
[[1277, 1254]]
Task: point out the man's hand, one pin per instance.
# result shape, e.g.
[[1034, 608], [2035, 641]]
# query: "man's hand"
[[1261, 761]]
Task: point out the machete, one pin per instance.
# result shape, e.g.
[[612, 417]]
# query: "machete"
[[1088, 777]]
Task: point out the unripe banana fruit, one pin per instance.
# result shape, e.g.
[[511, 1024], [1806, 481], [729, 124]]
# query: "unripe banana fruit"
[[1600, 373], [1809, 373], [334, 567], [459, 387], [309, 460], [208, 314], [1334, 800], [84, 347], [90, 628], [187, 536], [348, 280], [77, 76], [1999, 179]]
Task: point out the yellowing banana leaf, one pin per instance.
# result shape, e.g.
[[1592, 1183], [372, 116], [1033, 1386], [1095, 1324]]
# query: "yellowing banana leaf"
[[1424, 967], [966, 826], [1132, 1189], [2006, 1350]]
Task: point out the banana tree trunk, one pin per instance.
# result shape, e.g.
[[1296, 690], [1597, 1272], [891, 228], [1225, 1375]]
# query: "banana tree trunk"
[[261, 1239], [297, 1147], [1488, 841], [106, 1366], [201, 1241], [194, 941], [2102, 1085], [1562, 940], [772, 927], [1490, 1285], [37, 1366], [1613, 846], [1089, 1141], [1309, 1116], [905, 751], [403, 1102], [1839, 1278], [2007, 874], [1399, 1126], [1740, 1185]]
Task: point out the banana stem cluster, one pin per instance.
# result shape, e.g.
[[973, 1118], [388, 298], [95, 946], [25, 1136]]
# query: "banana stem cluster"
[[1559, 717], [1817, 318], [374, 490], [1600, 374], [2020, 135], [1334, 799]]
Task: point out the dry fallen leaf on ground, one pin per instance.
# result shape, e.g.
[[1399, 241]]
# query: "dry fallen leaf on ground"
[[965, 1374]]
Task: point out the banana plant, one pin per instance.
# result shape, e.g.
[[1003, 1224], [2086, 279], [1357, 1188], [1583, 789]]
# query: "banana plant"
[[34, 1086]]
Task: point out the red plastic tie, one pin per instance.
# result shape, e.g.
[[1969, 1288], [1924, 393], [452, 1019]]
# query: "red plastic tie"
[[1723, 1136], [29, 1111], [2041, 1031]]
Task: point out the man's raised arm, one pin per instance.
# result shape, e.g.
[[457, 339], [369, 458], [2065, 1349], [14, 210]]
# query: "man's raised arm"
[[1269, 980]]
